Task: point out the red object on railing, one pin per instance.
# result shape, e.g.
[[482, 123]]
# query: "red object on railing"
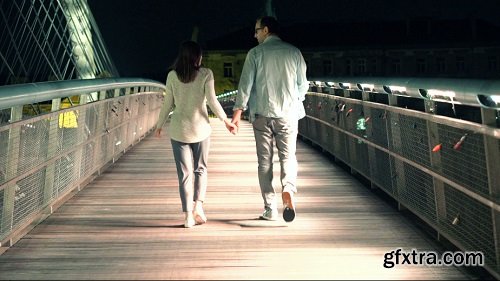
[[437, 148], [348, 112]]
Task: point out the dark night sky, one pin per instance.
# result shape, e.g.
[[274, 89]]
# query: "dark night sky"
[[142, 36]]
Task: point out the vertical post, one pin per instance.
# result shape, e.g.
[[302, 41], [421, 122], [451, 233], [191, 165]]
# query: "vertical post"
[[127, 139], [435, 159], [11, 171], [80, 133], [492, 154], [352, 151], [394, 138], [99, 126], [50, 171], [368, 132], [393, 100], [102, 95]]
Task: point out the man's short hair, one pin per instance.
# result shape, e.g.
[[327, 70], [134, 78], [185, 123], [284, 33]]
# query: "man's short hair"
[[271, 23]]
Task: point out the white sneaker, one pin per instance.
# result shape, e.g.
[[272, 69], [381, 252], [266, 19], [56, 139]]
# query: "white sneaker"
[[199, 216], [270, 215], [198, 213], [189, 221]]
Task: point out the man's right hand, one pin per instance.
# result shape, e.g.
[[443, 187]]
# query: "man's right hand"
[[236, 118]]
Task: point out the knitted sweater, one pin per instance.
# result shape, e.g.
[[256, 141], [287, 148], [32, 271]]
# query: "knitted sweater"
[[189, 121]]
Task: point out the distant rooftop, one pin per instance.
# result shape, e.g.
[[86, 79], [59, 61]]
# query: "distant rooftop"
[[364, 34]]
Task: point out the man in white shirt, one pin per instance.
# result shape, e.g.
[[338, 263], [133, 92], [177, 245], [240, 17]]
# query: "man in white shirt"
[[272, 86]]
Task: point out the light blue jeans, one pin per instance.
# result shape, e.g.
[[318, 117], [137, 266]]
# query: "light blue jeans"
[[191, 162], [284, 133]]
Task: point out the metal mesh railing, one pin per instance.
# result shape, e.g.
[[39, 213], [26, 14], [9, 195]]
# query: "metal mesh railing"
[[470, 158], [45, 157], [444, 168], [477, 227]]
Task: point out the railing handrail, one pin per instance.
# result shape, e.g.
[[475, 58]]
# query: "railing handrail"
[[474, 92], [20, 94]]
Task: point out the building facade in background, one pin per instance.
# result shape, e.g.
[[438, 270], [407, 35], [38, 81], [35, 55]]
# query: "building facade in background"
[[468, 48], [47, 40]]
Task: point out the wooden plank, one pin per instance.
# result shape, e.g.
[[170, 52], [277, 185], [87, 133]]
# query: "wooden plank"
[[127, 224]]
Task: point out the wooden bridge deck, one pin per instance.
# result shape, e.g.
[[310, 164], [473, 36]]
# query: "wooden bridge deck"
[[127, 224]]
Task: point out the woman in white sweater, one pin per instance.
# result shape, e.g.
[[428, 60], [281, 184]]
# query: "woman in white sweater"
[[189, 88]]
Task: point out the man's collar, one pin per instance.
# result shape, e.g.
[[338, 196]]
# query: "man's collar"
[[271, 37]]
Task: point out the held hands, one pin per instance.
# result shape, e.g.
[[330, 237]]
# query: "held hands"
[[236, 119], [231, 127]]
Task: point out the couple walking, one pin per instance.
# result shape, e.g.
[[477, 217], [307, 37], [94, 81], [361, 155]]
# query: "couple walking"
[[272, 87]]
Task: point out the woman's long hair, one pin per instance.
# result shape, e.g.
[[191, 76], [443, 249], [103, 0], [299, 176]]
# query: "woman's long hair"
[[187, 63]]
